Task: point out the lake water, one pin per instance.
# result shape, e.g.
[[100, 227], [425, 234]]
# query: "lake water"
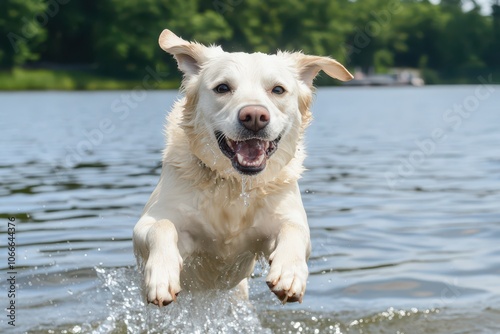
[[402, 193]]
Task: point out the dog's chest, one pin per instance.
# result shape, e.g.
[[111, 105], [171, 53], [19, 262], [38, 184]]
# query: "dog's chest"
[[231, 228], [222, 226], [223, 245], [227, 211]]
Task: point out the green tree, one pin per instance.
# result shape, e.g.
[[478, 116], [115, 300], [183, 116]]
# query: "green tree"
[[421, 25], [119, 37], [464, 41], [126, 32], [494, 51], [313, 26], [375, 37], [22, 25], [71, 34]]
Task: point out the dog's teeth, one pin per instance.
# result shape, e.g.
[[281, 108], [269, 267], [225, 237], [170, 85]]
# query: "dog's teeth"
[[228, 142], [266, 145], [242, 161], [240, 158], [261, 159]]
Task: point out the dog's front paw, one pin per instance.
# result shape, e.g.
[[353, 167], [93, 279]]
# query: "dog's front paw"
[[287, 278], [162, 279]]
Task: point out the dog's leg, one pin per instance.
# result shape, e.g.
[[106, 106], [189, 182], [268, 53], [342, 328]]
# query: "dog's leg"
[[287, 276], [155, 242], [288, 273]]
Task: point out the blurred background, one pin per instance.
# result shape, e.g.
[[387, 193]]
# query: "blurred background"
[[402, 187], [76, 44]]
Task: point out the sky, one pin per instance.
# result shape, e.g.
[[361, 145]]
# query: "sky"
[[468, 4], [485, 5]]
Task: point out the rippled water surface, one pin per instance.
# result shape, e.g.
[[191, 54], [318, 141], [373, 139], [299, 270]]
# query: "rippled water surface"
[[402, 193]]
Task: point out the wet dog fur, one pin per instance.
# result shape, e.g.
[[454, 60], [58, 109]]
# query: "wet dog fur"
[[228, 189]]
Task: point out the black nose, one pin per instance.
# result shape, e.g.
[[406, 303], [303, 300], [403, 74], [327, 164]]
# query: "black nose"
[[254, 118]]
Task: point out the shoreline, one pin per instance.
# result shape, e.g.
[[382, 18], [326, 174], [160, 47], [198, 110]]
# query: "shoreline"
[[79, 80]]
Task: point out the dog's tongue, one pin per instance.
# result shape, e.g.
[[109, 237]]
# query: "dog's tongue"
[[250, 152]]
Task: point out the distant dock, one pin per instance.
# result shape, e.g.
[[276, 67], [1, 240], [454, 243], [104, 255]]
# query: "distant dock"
[[396, 77]]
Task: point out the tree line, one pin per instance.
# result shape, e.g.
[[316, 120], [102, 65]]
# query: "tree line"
[[119, 37]]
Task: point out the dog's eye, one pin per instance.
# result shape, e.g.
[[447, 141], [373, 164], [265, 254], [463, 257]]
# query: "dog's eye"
[[222, 88], [278, 90]]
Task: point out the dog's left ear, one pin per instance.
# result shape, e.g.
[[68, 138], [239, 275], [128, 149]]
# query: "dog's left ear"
[[189, 55], [309, 67]]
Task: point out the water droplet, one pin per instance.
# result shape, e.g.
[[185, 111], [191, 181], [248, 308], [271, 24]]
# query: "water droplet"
[[244, 195]]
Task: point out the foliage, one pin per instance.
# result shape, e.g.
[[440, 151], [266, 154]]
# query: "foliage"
[[39, 79], [118, 38], [21, 24]]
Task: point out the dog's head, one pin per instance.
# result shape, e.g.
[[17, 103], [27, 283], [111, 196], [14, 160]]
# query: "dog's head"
[[246, 112]]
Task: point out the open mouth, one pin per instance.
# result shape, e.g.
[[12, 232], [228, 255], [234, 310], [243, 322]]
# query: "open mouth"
[[249, 156]]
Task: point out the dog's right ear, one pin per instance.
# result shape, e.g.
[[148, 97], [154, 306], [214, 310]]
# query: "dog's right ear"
[[189, 55]]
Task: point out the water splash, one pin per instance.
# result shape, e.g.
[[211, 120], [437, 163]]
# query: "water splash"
[[214, 154], [246, 184], [209, 312]]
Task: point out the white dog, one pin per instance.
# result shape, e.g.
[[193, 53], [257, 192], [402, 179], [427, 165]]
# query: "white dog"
[[228, 188]]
